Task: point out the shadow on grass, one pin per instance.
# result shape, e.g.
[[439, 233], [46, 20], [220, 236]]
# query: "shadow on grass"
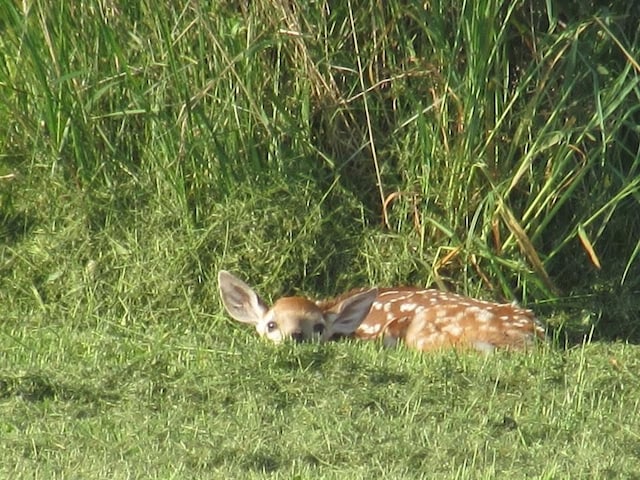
[[260, 462], [36, 388], [15, 226], [302, 359], [603, 317], [387, 377]]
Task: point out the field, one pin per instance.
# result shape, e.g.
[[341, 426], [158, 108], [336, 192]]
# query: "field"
[[491, 149]]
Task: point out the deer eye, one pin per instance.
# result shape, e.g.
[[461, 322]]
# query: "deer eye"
[[271, 326], [318, 328]]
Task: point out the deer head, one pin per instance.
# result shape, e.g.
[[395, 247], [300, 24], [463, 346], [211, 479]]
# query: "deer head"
[[297, 318]]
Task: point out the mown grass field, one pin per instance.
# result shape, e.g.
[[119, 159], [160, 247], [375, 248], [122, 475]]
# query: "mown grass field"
[[164, 401], [489, 149]]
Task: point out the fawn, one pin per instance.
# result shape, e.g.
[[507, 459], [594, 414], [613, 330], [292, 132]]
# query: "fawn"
[[424, 319]]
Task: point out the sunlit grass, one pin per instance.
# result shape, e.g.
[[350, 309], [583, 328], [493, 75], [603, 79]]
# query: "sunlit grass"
[[175, 401]]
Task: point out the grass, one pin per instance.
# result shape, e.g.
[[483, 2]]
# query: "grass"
[[488, 149], [165, 401]]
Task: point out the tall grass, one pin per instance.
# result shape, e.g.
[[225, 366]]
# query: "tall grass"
[[477, 147]]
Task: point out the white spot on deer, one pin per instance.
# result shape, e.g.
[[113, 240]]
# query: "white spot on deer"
[[523, 321], [376, 306], [484, 316], [419, 323], [408, 307], [387, 307], [488, 327], [453, 329], [390, 292], [370, 329]]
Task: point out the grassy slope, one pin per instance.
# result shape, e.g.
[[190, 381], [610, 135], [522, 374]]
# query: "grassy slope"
[[169, 401], [145, 147]]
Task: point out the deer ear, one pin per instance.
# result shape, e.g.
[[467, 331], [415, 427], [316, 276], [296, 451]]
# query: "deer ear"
[[240, 301], [346, 316]]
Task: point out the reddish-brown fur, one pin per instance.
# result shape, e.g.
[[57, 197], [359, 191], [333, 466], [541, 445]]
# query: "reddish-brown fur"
[[423, 319], [427, 319]]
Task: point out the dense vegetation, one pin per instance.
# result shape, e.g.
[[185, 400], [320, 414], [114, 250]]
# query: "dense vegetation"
[[490, 148]]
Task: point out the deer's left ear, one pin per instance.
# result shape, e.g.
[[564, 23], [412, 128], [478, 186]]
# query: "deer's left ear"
[[242, 303], [345, 317]]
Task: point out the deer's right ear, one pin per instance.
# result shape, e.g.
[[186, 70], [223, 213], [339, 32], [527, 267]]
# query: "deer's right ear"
[[240, 301], [346, 316]]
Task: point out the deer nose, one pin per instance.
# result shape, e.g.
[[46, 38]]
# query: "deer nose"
[[297, 336]]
